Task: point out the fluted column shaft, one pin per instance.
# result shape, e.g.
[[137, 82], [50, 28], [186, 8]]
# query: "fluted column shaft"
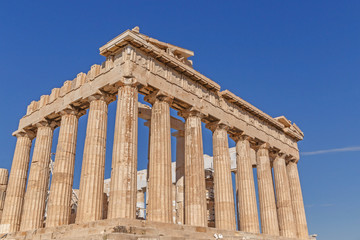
[[92, 173], [3, 185], [59, 204], [248, 212], [283, 198], [123, 188], [180, 175], [38, 183], [297, 201], [17, 182], [268, 214], [195, 189], [224, 197], [159, 186]]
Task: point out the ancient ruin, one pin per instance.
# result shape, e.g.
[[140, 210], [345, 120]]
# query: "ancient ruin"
[[184, 200]]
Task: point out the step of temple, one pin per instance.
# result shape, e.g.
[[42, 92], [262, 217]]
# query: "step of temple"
[[118, 229]]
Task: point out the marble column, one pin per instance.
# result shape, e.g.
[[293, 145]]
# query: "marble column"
[[38, 183], [4, 174], [59, 204], [268, 214], [297, 201], [180, 175], [123, 188], [93, 166], [13, 204], [283, 198], [159, 186], [223, 190], [247, 205], [195, 189]]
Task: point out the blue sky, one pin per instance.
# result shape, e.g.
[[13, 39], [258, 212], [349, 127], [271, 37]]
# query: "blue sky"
[[295, 58]]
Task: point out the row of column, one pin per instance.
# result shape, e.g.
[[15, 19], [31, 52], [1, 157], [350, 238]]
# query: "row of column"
[[281, 209], [25, 211]]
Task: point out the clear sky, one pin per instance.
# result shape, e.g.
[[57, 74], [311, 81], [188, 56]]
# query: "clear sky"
[[295, 58]]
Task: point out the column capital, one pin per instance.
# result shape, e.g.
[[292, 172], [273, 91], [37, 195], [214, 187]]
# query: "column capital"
[[240, 137], [102, 95], [222, 125], [191, 111], [71, 110], [291, 159], [24, 132], [127, 81], [259, 146], [159, 96], [47, 123]]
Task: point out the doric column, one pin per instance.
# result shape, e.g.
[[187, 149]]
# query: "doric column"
[[11, 216], [4, 174], [159, 186], [195, 189], [180, 175], [122, 198], [268, 214], [59, 204], [92, 173], [223, 190], [38, 183], [283, 198], [246, 195], [297, 200]]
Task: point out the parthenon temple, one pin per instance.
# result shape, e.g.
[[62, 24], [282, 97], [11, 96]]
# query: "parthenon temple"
[[251, 191]]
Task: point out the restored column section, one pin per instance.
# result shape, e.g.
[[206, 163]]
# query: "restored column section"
[[195, 189], [173, 198], [223, 190], [92, 173], [38, 183], [140, 203], [283, 198], [123, 188], [297, 200], [268, 214], [59, 204], [248, 212], [11, 216], [159, 187], [4, 174], [180, 175]]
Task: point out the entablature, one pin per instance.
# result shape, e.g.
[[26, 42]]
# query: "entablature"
[[129, 55]]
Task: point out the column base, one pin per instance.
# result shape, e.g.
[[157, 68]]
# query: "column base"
[[118, 229]]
